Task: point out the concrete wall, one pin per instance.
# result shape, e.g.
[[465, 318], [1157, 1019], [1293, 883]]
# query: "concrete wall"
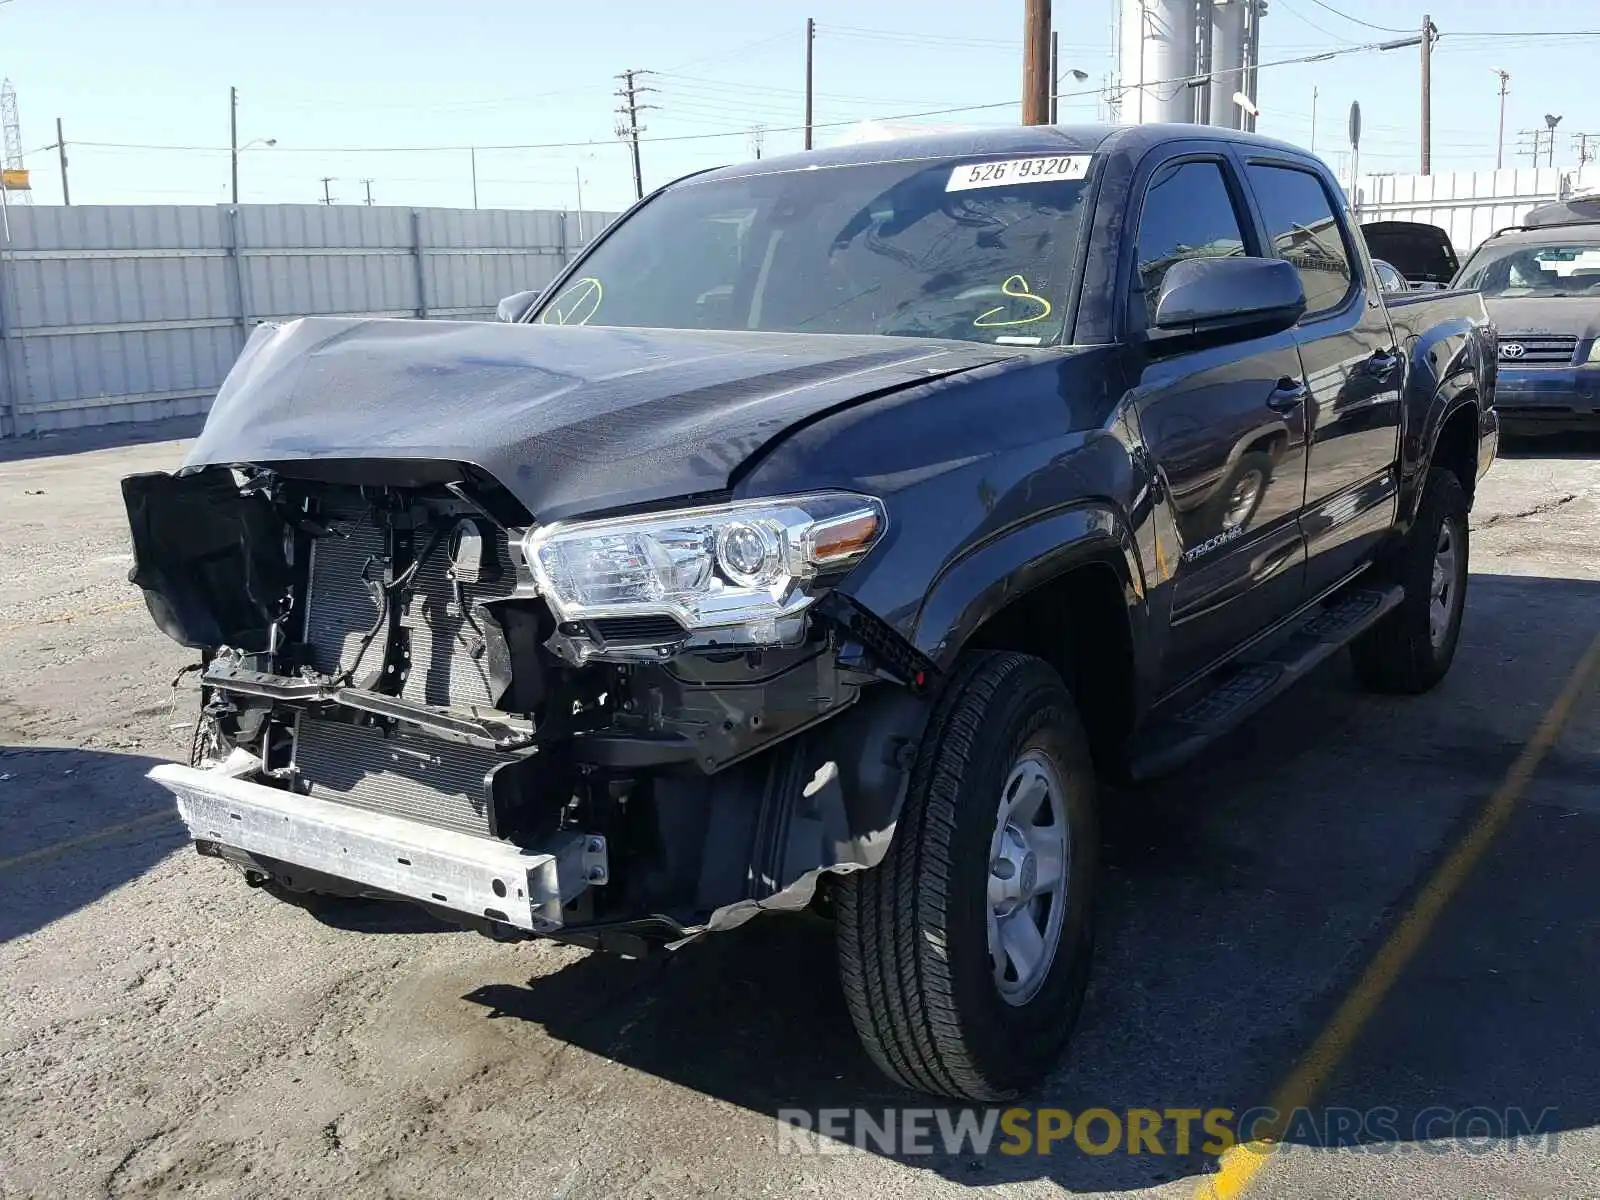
[[131, 313]]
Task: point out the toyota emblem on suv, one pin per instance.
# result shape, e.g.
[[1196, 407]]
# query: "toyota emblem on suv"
[[1513, 350]]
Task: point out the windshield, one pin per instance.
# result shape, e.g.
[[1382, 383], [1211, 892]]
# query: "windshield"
[[1553, 270], [978, 251]]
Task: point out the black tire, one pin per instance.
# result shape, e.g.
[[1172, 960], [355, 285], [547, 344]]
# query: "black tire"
[[1400, 654], [913, 931]]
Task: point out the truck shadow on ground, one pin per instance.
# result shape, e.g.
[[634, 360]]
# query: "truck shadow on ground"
[[1240, 899], [74, 826]]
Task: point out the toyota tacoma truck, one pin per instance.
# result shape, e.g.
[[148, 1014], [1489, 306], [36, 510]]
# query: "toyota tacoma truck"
[[816, 541]]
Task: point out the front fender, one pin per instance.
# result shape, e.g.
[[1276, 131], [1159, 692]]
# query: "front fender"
[[1014, 562]]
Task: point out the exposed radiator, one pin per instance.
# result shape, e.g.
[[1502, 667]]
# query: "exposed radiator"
[[407, 773], [448, 666]]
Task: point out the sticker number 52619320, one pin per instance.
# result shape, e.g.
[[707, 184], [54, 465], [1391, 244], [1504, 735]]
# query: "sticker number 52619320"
[[1018, 170]]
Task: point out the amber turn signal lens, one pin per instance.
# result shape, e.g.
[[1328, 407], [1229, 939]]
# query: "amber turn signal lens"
[[843, 539]]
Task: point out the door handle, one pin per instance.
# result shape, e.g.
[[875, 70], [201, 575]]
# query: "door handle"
[[1287, 396]]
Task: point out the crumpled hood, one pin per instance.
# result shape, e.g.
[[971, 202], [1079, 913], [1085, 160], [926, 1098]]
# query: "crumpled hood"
[[567, 419], [1566, 316]]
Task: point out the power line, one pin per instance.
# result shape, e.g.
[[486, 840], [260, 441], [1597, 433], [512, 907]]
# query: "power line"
[[593, 143], [1357, 20], [1305, 20]]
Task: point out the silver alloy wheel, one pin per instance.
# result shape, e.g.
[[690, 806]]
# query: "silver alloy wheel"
[[1030, 860], [1441, 594], [1242, 500]]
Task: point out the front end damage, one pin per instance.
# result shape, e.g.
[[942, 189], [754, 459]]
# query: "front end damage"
[[404, 694]]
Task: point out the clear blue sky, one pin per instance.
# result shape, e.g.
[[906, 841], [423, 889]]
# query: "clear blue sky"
[[349, 73]]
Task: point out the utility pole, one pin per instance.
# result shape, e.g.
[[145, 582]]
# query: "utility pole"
[[1582, 141], [758, 139], [1313, 119], [628, 127], [577, 172], [61, 153], [1522, 145], [473, 151], [367, 183], [1428, 32], [1500, 140], [1036, 62], [233, 137], [811, 42], [1055, 78], [327, 197]]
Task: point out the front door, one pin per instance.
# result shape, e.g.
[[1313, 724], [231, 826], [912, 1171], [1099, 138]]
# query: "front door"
[[1225, 428], [1353, 369]]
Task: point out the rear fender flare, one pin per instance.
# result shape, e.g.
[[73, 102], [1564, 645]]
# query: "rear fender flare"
[[1450, 368]]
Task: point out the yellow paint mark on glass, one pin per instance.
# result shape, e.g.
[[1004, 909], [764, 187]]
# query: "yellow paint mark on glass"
[[575, 305], [1017, 288]]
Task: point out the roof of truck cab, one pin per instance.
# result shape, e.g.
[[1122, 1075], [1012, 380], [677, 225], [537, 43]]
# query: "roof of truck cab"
[[1011, 140]]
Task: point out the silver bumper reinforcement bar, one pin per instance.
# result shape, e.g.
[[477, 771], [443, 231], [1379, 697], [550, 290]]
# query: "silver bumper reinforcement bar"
[[477, 876]]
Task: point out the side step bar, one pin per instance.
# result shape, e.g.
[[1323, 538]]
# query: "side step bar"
[[1245, 688]]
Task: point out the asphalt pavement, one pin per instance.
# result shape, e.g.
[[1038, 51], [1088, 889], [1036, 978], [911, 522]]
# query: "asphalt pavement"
[[165, 1029]]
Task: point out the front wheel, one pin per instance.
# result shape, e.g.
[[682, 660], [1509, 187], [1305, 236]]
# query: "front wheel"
[[965, 953], [1411, 648]]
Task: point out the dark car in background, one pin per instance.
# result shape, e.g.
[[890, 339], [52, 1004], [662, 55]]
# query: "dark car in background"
[[1541, 285]]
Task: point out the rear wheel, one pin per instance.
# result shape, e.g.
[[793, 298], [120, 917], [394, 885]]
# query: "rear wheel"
[[1412, 647], [965, 953]]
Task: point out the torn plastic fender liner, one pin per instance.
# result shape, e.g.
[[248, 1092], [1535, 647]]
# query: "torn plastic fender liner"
[[828, 801], [211, 561]]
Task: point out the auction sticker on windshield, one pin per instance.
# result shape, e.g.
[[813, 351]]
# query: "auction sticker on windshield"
[[1018, 170]]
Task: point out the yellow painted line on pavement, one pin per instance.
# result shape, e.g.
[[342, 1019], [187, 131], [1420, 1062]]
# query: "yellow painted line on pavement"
[[71, 616], [1240, 1165], [46, 853]]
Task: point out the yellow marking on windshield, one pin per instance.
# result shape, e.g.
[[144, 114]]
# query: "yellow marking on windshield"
[[1017, 288], [575, 305]]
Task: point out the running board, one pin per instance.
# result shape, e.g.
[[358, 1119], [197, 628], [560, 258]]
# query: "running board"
[[1244, 688]]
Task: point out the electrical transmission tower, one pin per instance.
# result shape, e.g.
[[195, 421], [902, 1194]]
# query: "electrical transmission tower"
[[13, 130], [628, 127]]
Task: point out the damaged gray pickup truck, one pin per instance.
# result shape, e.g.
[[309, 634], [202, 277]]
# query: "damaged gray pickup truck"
[[817, 540]]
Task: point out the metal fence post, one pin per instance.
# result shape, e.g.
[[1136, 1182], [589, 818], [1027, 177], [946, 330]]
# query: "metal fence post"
[[8, 407], [418, 251], [14, 388]]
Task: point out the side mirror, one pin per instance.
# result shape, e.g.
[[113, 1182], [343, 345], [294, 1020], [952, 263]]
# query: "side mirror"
[[1228, 299], [515, 306]]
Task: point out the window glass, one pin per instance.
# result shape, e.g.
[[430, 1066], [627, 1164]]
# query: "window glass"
[[1301, 224], [943, 249], [1187, 214], [1553, 270]]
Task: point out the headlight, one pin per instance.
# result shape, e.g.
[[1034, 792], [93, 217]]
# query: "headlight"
[[1594, 351], [744, 564]]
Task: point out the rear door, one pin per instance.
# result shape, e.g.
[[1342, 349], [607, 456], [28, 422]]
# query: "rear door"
[[1224, 425], [1353, 368]]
